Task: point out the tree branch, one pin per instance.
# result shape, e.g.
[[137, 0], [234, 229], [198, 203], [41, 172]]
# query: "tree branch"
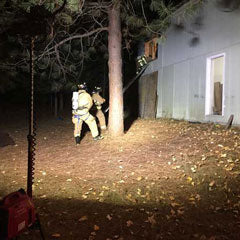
[[87, 34]]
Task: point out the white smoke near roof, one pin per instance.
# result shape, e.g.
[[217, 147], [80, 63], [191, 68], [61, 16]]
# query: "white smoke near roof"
[[228, 5]]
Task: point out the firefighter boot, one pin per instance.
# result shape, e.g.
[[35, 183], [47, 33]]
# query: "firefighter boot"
[[77, 140], [99, 137]]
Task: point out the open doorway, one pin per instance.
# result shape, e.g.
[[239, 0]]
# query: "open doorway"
[[215, 85]]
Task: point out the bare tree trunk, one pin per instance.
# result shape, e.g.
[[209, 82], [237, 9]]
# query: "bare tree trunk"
[[61, 102], [55, 104], [115, 122], [51, 103]]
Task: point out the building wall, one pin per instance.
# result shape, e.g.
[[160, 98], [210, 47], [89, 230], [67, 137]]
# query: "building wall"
[[182, 65]]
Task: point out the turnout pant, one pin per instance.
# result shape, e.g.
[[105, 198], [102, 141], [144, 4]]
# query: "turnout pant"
[[101, 118], [89, 120]]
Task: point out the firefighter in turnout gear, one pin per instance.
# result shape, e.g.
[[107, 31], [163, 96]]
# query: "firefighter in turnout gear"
[[141, 62], [98, 101], [82, 102]]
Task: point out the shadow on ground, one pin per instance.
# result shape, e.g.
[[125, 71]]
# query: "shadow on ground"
[[81, 219]]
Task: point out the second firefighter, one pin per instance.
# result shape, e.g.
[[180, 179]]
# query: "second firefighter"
[[98, 100]]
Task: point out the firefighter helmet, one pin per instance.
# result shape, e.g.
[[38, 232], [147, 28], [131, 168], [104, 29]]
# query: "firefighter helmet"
[[96, 90], [82, 86]]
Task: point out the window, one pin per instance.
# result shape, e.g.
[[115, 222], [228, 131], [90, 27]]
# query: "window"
[[150, 49], [215, 85]]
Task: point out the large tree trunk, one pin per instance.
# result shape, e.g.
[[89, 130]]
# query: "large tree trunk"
[[115, 121]]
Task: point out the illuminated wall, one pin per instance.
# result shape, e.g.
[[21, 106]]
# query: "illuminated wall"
[[182, 65]]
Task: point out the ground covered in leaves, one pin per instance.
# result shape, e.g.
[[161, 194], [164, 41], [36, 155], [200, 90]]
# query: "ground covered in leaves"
[[163, 179]]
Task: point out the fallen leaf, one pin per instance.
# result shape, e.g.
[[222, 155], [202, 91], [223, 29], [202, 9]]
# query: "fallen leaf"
[[129, 223], [176, 167], [230, 167], [175, 204], [189, 179], [101, 193], [193, 169], [212, 183], [56, 235], [96, 227], [198, 197], [84, 218], [180, 211], [152, 220], [173, 212], [191, 199]]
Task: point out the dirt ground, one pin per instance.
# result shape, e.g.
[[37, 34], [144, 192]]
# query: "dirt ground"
[[163, 179]]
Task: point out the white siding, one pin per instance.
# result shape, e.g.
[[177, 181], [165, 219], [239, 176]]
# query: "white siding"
[[196, 92], [182, 67], [167, 91], [180, 90], [234, 82]]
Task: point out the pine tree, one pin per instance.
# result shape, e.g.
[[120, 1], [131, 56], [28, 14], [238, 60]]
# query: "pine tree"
[[83, 26]]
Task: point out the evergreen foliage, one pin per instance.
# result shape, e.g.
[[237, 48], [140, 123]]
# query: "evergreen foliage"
[[62, 66]]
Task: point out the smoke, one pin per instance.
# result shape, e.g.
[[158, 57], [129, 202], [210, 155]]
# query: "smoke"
[[194, 41], [228, 5], [178, 27], [198, 22]]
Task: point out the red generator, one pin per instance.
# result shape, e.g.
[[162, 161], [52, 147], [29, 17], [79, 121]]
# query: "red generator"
[[17, 213]]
